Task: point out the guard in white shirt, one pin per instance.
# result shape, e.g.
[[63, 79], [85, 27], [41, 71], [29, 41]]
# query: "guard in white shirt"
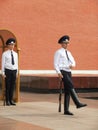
[[9, 70], [63, 63]]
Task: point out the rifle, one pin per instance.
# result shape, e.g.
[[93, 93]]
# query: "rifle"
[[60, 95]]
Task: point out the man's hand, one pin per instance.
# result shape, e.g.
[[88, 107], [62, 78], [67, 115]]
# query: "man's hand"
[[3, 76], [60, 76], [71, 67]]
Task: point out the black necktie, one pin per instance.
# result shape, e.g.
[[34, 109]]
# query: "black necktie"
[[67, 55], [12, 58]]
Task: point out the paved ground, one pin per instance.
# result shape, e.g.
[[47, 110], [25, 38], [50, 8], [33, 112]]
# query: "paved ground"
[[40, 112]]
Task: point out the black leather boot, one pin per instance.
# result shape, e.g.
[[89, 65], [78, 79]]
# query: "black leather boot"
[[66, 104], [76, 100], [12, 103], [7, 103]]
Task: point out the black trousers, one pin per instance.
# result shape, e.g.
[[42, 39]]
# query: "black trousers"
[[10, 84], [68, 86], [67, 80], [69, 91]]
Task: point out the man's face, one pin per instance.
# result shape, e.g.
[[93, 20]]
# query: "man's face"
[[11, 46], [64, 45]]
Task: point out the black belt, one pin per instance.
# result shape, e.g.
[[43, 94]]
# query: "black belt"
[[10, 70]]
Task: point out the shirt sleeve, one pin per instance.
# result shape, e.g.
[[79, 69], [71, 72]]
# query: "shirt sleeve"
[[56, 62], [2, 64], [72, 61]]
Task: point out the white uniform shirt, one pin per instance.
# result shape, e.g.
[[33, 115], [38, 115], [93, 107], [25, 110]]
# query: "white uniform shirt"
[[6, 61], [61, 61]]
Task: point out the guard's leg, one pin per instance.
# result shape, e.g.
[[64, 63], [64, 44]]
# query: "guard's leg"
[[76, 100], [66, 103]]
